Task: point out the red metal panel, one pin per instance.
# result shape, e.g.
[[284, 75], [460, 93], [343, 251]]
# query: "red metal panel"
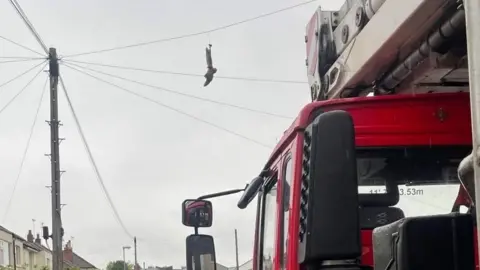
[[396, 120], [367, 247], [421, 120]]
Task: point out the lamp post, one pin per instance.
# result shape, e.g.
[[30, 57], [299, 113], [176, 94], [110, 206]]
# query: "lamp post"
[[124, 262]]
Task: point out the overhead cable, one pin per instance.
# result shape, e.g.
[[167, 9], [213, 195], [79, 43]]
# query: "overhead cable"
[[186, 74], [19, 60], [19, 75], [30, 26], [22, 57], [193, 34], [196, 118], [24, 156], [185, 94], [20, 45], [21, 91], [92, 160]]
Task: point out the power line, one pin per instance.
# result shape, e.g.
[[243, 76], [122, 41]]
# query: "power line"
[[92, 160], [185, 94], [193, 34], [22, 57], [18, 76], [32, 128], [19, 60], [188, 74], [21, 91], [20, 45], [175, 109], [30, 26]]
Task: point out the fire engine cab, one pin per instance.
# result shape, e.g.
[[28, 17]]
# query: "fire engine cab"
[[377, 171]]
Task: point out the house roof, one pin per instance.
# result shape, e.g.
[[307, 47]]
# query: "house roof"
[[67, 263], [33, 246], [43, 247], [4, 229], [16, 235], [77, 260], [81, 262]]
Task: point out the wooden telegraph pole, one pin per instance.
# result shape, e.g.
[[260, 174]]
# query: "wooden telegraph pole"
[[57, 232]]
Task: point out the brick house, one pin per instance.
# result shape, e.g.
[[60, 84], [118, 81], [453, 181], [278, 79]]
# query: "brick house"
[[72, 260]]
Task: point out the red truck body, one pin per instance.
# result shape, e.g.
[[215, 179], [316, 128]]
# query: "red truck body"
[[385, 121]]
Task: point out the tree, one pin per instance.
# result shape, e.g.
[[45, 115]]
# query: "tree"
[[119, 265], [8, 267]]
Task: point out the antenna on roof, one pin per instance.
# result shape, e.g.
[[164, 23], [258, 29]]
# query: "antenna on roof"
[[33, 229]]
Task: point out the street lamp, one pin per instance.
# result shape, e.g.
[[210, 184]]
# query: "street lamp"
[[124, 262]]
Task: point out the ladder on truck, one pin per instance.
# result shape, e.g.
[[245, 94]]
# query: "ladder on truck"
[[368, 46]]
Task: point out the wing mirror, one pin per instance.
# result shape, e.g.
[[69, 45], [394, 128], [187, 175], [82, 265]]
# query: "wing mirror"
[[329, 226], [200, 252], [250, 191], [197, 213]]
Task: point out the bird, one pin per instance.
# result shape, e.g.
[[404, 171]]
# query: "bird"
[[210, 69]]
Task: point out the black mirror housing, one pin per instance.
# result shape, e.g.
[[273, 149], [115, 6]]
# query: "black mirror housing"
[[329, 216], [200, 252], [197, 213], [250, 192]]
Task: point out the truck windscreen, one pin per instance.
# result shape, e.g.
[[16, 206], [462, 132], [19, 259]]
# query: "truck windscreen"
[[426, 177]]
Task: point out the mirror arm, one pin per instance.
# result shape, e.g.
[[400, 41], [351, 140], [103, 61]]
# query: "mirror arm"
[[220, 194]]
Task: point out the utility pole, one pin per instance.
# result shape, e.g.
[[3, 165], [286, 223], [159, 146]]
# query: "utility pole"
[[135, 252], [55, 163], [236, 248], [14, 252]]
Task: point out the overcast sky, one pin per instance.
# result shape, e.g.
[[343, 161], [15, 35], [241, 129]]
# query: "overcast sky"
[[151, 158]]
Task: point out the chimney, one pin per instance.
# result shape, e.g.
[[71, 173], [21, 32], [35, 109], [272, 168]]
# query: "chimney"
[[68, 252], [30, 236], [38, 240]]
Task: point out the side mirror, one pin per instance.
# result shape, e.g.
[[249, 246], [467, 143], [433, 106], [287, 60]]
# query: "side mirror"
[[197, 213], [250, 192], [200, 252], [329, 217]]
